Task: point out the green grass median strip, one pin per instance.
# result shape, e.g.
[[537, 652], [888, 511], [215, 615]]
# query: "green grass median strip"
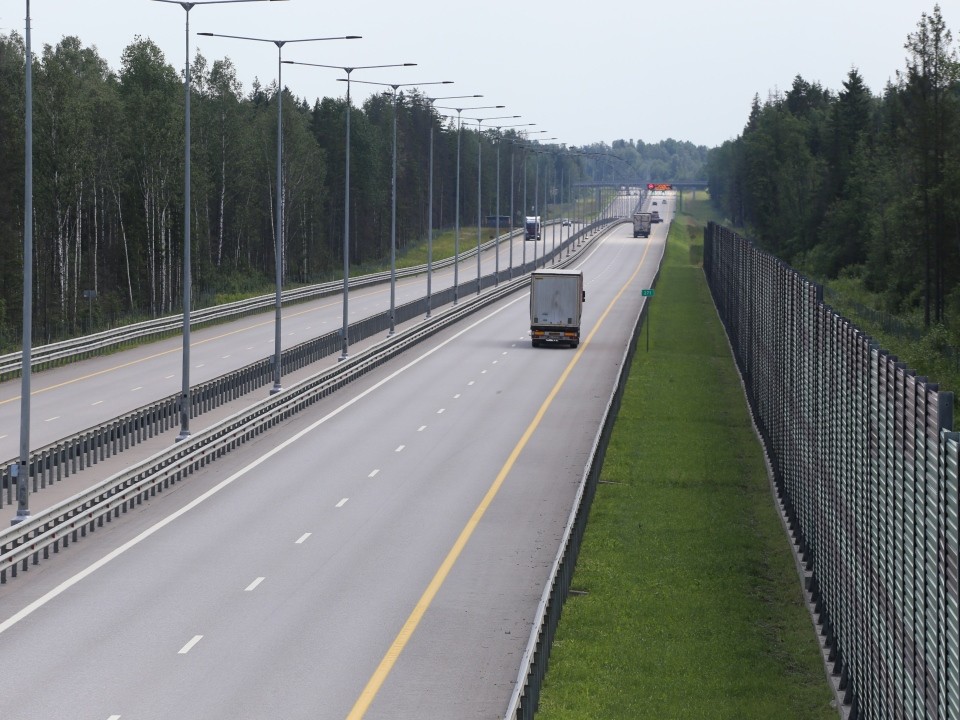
[[688, 604]]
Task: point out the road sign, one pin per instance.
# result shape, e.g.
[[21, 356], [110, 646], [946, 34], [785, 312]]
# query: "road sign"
[[647, 292]]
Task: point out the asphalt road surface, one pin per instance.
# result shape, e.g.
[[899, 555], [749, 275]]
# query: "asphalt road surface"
[[379, 556]]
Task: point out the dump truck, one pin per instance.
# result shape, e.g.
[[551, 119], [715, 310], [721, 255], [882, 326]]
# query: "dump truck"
[[641, 224], [532, 225], [556, 299]]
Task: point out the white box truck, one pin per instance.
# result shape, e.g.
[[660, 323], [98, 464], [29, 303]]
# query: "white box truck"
[[556, 299], [532, 225], [641, 224]]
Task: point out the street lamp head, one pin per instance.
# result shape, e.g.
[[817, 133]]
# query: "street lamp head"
[[280, 42], [347, 68]]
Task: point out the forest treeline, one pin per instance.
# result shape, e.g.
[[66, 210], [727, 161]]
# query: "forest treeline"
[[108, 149], [853, 185]]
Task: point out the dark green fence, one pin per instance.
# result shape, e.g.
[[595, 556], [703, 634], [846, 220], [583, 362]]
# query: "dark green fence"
[[866, 465]]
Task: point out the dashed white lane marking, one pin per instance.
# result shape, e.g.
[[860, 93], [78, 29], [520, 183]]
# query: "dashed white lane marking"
[[303, 538], [440, 411], [98, 402], [470, 383], [55, 417], [495, 362], [374, 473], [114, 717], [189, 646], [3, 436], [253, 586], [200, 365], [224, 357], [138, 387], [342, 502], [504, 352], [167, 377], [457, 396], [483, 372], [400, 448], [419, 429]]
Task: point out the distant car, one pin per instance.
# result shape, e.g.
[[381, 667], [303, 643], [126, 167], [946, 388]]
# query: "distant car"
[[664, 202], [566, 223], [654, 202]]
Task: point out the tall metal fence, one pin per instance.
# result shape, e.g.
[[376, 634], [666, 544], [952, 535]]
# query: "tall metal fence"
[[866, 466]]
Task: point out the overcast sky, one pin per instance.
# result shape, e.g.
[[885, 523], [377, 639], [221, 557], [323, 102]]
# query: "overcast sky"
[[620, 69]]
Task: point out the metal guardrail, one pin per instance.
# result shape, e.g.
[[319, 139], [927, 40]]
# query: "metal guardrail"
[[73, 518], [89, 345], [525, 698], [865, 465], [74, 453]]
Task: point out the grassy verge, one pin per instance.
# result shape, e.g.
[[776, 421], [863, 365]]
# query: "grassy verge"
[[691, 606]]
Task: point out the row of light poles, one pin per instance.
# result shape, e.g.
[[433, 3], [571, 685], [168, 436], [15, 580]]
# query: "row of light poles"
[[185, 399]]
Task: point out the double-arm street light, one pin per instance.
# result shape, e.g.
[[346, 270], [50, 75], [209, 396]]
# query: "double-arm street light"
[[497, 224], [431, 101], [393, 192], [23, 466], [536, 198], [513, 144], [278, 239], [480, 121], [346, 192], [187, 282], [456, 235]]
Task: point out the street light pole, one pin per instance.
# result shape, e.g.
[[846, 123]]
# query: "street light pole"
[[345, 330], [479, 201], [456, 234], [23, 468], [431, 101], [187, 280], [278, 231], [393, 195]]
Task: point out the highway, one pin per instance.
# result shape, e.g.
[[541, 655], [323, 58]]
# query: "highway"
[[379, 556], [71, 398]]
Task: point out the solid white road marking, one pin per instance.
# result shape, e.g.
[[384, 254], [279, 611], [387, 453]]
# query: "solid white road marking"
[[374, 473], [189, 646], [253, 586], [303, 538], [342, 502]]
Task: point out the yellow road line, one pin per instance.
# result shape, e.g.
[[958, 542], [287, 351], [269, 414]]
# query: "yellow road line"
[[376, 681], [71, 381]]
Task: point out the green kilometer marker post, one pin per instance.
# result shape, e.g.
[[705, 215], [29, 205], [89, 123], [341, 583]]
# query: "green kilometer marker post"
[[647, 292]]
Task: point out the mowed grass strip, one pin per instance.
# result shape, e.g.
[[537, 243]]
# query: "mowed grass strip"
[[692, 604]]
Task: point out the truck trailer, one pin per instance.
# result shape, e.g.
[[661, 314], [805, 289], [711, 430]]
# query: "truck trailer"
[[556, 300], [532, 227], [641, 224]]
